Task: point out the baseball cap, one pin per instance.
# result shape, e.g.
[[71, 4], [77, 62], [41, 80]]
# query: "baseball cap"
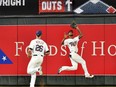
[[38, 33]]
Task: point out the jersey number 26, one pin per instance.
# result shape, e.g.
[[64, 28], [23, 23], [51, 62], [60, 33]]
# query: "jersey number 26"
[[39, 48]]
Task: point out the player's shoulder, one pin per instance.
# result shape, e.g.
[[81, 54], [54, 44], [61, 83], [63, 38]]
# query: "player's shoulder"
[[76, 37], [40, 41], [66, 40], [33, 40]]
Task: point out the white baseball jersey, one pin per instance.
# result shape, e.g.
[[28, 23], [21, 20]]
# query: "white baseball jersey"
[[38, 47], [72, 44]]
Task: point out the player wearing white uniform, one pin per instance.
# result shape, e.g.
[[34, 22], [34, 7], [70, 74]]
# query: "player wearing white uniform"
[[38, 48], [74, 57]]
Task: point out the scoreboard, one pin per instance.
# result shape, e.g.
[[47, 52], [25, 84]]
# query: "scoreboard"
[[37, 7]]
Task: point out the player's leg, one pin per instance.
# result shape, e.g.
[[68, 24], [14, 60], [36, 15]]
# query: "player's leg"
[[69, 68], [33, 79], [32, 66], [29, 67], [38, 65], [77, 58]]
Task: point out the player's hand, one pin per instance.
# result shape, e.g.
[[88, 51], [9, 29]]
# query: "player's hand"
[[29, 53]]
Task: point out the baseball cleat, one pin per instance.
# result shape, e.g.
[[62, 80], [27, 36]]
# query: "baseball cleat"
[[40, 73], [59, 70], [89, 76], [58, 73]]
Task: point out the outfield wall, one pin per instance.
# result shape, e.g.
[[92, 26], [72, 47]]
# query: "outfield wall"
[[97, 47]]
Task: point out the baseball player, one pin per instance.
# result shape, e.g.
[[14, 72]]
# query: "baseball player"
[[36, 50], [74, 57]]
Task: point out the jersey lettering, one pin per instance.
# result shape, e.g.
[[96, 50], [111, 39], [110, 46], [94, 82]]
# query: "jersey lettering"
[[73, 43]]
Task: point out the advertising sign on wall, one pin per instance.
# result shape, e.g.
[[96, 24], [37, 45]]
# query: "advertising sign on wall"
[[97, 47]]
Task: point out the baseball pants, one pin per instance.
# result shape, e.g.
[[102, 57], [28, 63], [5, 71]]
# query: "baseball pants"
[[33, 67], [75, 59]]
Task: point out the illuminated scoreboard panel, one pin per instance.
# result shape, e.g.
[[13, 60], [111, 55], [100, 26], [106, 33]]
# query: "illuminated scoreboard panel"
[[94, 6], [46, 6], [37, 7]]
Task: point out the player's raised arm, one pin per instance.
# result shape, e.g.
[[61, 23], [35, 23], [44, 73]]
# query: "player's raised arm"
[[74, 26], [65, 36], [80, 33]]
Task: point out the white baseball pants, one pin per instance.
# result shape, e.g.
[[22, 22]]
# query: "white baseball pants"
[[33, 67], [75, 59]]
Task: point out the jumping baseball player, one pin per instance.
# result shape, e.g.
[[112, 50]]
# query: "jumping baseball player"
[[74, 57], [36, 50]]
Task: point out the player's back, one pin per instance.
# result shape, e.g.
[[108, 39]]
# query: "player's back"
[[39, 46]]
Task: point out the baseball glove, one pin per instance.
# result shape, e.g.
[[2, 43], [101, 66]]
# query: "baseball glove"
[[73, 25]]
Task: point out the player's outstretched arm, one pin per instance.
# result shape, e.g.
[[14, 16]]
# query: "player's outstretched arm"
[[74, 26], [65, 36], [80, 33]]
